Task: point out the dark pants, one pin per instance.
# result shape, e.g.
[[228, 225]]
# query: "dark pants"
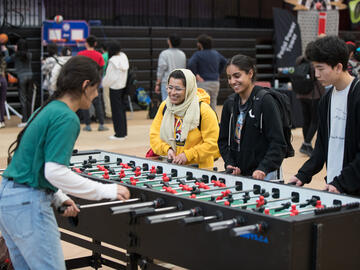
[[25, 95], [118, 110], [310, 115], [99, 111], [3, 89]]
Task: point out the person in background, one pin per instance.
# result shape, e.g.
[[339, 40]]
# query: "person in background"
[[353, 65], [309, 105], [106, 91], [65, 55], [3, 90], [115, 79], [38, 176], [187, 130], [245, 148], [90, 52], [338, 135], [48, 66], [169, 59], [22, 62], [207, 64]]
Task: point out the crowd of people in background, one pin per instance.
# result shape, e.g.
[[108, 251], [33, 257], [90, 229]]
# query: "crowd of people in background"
[[186, 128]]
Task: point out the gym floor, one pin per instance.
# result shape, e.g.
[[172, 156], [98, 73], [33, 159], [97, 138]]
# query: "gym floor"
[[137, 144]]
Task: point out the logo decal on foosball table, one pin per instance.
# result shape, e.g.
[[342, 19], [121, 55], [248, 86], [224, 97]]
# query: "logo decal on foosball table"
[[255, 237]]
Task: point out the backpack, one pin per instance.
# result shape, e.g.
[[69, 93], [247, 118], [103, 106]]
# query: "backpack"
[[142, 98], [283, 104], [301, 80], [154, 105], [131, 82]]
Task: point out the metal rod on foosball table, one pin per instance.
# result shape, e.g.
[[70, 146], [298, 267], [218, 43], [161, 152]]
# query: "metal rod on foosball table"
[[151, 210], [295, 212], [91, 160], [225, 224], [259, 227], [62, 209], [286, 205], [198, 219], [173, 216], [208, 190], [164, 177], [221, 194], [128, 208], [258, 203]]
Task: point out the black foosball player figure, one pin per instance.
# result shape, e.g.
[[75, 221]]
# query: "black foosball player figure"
[[250, 143], [338, 134], [37, 172]]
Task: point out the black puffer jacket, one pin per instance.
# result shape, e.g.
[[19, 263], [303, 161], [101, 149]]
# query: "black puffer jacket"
[[264, 150]]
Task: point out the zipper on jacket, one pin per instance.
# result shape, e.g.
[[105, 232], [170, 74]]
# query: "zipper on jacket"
[[229, 137]]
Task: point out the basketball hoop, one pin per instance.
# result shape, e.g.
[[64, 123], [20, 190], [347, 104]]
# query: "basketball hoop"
[[59, 41]]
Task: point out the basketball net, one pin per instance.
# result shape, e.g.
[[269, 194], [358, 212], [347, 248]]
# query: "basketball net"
[[80, 42]]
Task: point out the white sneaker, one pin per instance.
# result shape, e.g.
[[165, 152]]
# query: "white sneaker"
[[113, 137], [2, 124], [21, 125]]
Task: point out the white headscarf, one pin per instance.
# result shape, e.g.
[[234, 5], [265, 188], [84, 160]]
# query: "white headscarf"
[[189, 110]]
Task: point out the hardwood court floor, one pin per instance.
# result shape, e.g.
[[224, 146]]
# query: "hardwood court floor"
[[137, 144]]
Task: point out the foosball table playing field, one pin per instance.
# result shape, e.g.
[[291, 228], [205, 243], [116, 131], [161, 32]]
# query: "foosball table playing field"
[[201, 219]]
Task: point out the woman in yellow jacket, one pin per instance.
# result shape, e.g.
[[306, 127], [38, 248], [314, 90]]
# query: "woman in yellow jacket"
[[187, 130]]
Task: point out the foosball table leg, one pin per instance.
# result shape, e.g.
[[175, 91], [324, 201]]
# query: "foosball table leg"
[[96, 257], [136, 261], [133, 259]]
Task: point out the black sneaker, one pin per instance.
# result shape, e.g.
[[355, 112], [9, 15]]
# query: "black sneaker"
[[310, 150], [306, 149], [303, 149]]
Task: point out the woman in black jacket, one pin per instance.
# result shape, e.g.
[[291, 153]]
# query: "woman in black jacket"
[[250, 146]]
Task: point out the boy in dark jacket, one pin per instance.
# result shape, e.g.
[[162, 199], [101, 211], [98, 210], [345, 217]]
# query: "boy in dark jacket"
[[338, 139], [246, 148]]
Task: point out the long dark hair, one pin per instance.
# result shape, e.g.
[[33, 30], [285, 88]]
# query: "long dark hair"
[[70, 81], [114, 48], [22, 50]]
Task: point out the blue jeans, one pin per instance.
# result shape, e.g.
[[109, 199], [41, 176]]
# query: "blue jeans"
[[164, 92], [28, 225]]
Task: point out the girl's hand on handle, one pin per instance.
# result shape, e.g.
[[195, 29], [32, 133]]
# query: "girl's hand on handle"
[[71, 209]]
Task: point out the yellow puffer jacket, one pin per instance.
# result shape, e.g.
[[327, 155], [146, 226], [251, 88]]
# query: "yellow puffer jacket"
[[201, 144]]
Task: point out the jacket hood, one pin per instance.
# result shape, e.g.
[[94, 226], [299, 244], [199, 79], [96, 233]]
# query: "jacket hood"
[[116, 60], [203, 96]]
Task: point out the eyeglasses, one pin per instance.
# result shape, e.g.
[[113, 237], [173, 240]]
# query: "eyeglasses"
[[178, 89]]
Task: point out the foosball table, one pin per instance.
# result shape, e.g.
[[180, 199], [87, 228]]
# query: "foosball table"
[[200, 219]]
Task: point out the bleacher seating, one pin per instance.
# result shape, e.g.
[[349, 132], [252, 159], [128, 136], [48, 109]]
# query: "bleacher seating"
[[143, 46]]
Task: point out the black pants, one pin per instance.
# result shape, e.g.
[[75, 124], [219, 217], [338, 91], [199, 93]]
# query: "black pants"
[[25, 95], [118, 110], [99, 111], [310, 115], [3, 89]]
